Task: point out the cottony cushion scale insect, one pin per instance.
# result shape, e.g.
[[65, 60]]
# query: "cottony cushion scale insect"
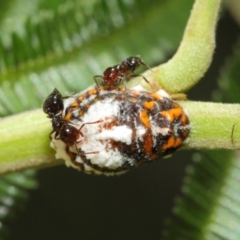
[[118, 128]]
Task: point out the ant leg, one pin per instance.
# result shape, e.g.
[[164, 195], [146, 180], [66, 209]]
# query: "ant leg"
[[96, 152], [89, 123], [95, 79], [83, 154], [136, 75], [144, 64], [75, 144], [51, 134], [72, 156], [120, 80], [146, 81], [79, 130], [56, 137], [125, 87]]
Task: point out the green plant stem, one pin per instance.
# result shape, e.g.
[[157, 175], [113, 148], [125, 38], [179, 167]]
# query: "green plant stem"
[[195, 52], [25, 142], [213, 125]]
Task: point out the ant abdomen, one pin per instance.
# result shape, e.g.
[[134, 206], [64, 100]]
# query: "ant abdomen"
[[114, 76]]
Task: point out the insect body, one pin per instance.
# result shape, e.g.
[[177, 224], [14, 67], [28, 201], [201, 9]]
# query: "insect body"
[[131, 128], [53, 107], [63, 129], [113, 76]]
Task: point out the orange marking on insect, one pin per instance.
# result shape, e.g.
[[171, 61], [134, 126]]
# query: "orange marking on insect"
[[135, 92], [120, 89], [122, 97], [176, 112], [167, 115], [81, 113], [154, 156], [74, 104], [134, 100], [68, 116], [144, 118], [156, 96], [172, 114], [148, 142], [92, 91], [178, 142], [149, 105], [184, 119], [169, 144], [82, 97], [175, 105], [96, 99]]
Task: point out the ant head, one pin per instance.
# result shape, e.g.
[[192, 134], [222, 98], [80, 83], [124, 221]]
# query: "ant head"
[[133, 63], [53, 104]]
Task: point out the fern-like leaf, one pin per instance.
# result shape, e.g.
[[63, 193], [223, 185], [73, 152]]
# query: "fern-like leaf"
[[64, 48], [13, 196]]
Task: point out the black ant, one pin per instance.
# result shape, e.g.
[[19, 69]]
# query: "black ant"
[[53, 107], [121, 72], [68, 133]]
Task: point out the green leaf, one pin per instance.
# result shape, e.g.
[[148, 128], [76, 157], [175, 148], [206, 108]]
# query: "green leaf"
[[203, 212], [64, 48], [13, 15], [13, 196], [229, 80]]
